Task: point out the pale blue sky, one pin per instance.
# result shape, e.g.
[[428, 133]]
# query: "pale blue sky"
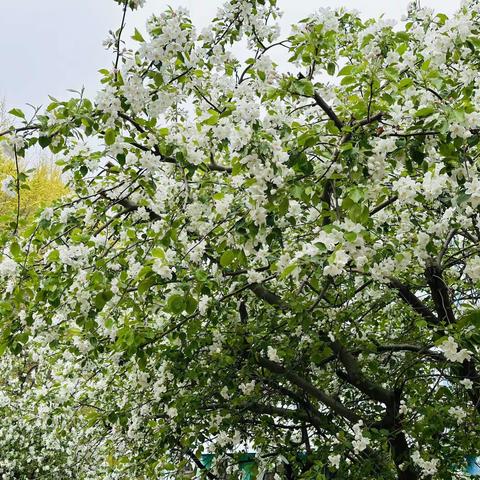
[[49, 46]]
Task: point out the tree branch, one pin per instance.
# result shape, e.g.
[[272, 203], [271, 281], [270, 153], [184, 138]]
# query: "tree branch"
[[440, 295], [210, 166], [411, 299], [307, 387], [319, 422], [383, 205], [119, 39], [271, 298], [328, 110], [200, 465], [357, 379]]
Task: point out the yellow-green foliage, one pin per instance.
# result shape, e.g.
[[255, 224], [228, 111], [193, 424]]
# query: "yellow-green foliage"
[[44, 185]]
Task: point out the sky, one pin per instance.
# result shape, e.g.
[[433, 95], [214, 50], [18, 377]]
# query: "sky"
[[50, 46]]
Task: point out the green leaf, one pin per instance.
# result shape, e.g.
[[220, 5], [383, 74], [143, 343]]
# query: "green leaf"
[[424, 112], [110, 136], [213, 119], [347, 70], [201, 275], [303, 87], [288, 270], [137, 36], [348, 80], [471, 319], [356, 195], [463, 197], [15, 250], [350, 236], [176, 304], [145, 285], [17, 112], [102, 298], [283, 206], [227, 257], [158, 252], [404, 83], [44, 141], [53, 256], [190, 304]]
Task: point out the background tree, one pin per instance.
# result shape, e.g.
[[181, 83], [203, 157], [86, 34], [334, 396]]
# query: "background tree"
[[40, 182], [43, 187], [281, 263]]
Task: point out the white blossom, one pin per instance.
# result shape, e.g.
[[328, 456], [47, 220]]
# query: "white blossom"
[[451, 351]]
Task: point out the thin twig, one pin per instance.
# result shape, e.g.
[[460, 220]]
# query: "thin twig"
[[17, 221], [119, 39]]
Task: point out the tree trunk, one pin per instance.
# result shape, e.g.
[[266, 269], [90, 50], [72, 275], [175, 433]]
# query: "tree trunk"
[[401, 455]]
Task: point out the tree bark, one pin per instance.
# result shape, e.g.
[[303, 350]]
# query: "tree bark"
[[401, 456]]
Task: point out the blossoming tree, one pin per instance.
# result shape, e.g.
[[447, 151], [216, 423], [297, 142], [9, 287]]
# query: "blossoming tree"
[[254, 258]]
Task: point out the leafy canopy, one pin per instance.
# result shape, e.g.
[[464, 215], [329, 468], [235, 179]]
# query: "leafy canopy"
[[254, 261]]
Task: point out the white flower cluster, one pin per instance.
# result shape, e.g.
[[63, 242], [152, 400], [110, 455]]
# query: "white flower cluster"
[[73, 255], [376, 162], [339, 259], [135, 93], [247, 388], [472, 268], [360, 442], [108, 101], [8, 268], [406, 189], [252, 17], [458, 412], [467, 383], [8, 186], [428, 467], [13, 144], [450, 349], [162, 269], [273, 355], [168, 38], [473, 189], [434, 183], [334, 460], [134, 4]]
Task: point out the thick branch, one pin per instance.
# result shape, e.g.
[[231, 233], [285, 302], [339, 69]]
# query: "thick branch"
[[400, 452], [355, 376], [307, 387], [328, 110], [261, 292], [411, 299], [440, 295], [200, 465], [469, 370], [320, 423], [20, 129], [368, 120], [383, 205], [407, 347]]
